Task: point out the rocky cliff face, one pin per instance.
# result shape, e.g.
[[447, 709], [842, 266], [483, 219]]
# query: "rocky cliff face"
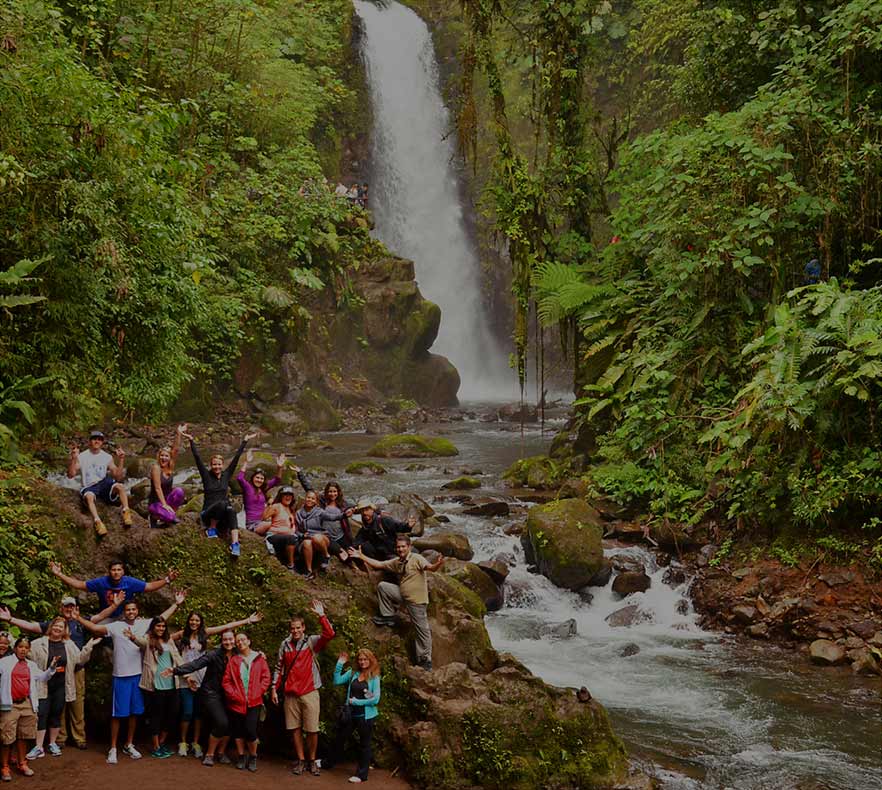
[[367, 340]]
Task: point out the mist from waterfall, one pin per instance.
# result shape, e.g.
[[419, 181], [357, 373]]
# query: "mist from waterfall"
[[415, 198]]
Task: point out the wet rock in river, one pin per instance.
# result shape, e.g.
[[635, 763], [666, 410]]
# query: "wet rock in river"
[[631, 582], [627, 616], [565, 630], [586, 595], [826, 653], [629, 650], [623, 563], [602, 577], [674, 577], [744, 614], [863, 662], [863, 628], [487, 506], [450, 544], [758, 631], [463, 483], [496, 570]]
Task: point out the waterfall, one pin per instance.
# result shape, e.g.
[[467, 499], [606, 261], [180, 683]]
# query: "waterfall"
[[415, 197]]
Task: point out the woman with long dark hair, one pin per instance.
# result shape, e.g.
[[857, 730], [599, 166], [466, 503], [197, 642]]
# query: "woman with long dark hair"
[[192, 641], [160, 691], [255, 489], [282, 537], [246, 680], [333, 504], [363, 695]]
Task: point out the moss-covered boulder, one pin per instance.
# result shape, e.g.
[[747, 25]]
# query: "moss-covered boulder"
[[366, 468], [537, 471], [478, 581], [563, 539], [464, 483], [285, 420], [317, 411], [412, 445]]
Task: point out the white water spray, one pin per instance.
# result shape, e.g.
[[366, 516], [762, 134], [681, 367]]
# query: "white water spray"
[[415, 195]]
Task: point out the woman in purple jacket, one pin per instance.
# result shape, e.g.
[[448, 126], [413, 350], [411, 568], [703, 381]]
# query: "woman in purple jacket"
[[255, 490]]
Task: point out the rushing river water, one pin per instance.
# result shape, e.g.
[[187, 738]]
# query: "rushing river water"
[[700, 710]]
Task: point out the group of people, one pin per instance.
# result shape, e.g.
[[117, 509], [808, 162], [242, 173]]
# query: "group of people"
[[357, 193], [172, 674], [176, 678]]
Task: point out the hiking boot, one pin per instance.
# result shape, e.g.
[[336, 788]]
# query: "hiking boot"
[[314, 768], [208, 760], [235, 549], [297, 768], [252, 764], [127, 519], [241, 762], [211, 532], [382, 620], [100, 529]]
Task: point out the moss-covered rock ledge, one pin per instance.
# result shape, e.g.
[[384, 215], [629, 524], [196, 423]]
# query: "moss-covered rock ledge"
[[479, 720], [412, 445]]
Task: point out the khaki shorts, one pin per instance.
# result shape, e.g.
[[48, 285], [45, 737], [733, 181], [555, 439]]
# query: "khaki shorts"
[[302, 712], [20, 722]]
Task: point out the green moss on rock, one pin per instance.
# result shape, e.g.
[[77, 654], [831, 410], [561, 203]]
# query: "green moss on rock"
[[366, 468], [318, 412], [563, 539], [463, 483], [411, 445], [537, 471]]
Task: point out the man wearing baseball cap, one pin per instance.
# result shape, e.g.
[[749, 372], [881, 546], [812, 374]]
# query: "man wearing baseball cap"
[[74, 711], [100, 479]]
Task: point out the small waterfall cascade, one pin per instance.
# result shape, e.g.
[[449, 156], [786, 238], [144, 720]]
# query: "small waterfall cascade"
[[415, 194]]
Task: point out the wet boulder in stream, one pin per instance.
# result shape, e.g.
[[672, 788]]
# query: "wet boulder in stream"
[[487, 506], [450, 544], [630, 582], [563, 540], [565, 630]]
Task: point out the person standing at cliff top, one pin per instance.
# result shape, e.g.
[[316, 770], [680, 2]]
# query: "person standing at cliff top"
[[116, 581], [218, 514], [412, 590], [100, 479]]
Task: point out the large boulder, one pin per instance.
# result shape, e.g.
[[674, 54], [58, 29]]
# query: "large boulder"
[[537, 471], [317, 411], [480, 583], [826, 653], [285, 420], [463, 483], [563, 539], [565, 630], [365, 468], [411, 445], [450, 544], [631, 582], [627, 616], [486, 506]]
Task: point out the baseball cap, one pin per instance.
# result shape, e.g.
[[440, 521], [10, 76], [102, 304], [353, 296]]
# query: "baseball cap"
[[366, 502], [96, 434], [68, 600]]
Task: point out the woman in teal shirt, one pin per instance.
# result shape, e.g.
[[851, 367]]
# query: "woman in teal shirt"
[[160, 653], [363, 693]]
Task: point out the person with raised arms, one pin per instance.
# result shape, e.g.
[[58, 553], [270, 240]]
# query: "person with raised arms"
[[192, 642], [218, 514], [255, 490], [116, 580], [128, 702], [282, 537], [100, 479], [19, 703], [297, 678], [412, 590], [246, 680], [165, 498]]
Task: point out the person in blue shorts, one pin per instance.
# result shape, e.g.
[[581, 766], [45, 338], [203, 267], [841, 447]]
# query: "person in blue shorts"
[[105, 587], [100, 479], [128, 702]]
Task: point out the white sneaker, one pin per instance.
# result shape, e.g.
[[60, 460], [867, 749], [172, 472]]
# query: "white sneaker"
[[36, 753], [54, 750], [355, 780], [131, 751], [182, 749], [111, 757]]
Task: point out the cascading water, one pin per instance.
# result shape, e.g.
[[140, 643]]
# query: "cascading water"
[[415, 197]]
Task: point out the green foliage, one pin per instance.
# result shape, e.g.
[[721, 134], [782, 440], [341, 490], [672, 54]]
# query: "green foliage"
[[163, 168]]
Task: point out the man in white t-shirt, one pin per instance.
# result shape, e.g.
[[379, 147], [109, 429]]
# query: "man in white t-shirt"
[[101, 479], [128, 702]]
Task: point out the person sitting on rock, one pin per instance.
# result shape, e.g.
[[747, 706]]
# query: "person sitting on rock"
[[376, 538], [100, 479], [332, 501], [412, 590], [282, 537], [255, 490], [165, 498], [218, 514], [115, 581], [313, 521], [297, 678]]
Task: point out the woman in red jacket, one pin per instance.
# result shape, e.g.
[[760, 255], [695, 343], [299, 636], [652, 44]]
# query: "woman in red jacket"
[[246, 680]]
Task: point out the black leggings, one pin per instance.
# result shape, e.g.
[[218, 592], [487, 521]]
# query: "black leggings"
[[244, 725], [214, 710], [224, 513], [365, 730], [280, 542], [162, 709], [51, 709]]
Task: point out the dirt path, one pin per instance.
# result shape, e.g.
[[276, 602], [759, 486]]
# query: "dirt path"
[[86, 770]]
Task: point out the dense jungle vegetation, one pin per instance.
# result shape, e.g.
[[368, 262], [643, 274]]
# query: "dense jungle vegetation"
[[151, 160], [664, 172]]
